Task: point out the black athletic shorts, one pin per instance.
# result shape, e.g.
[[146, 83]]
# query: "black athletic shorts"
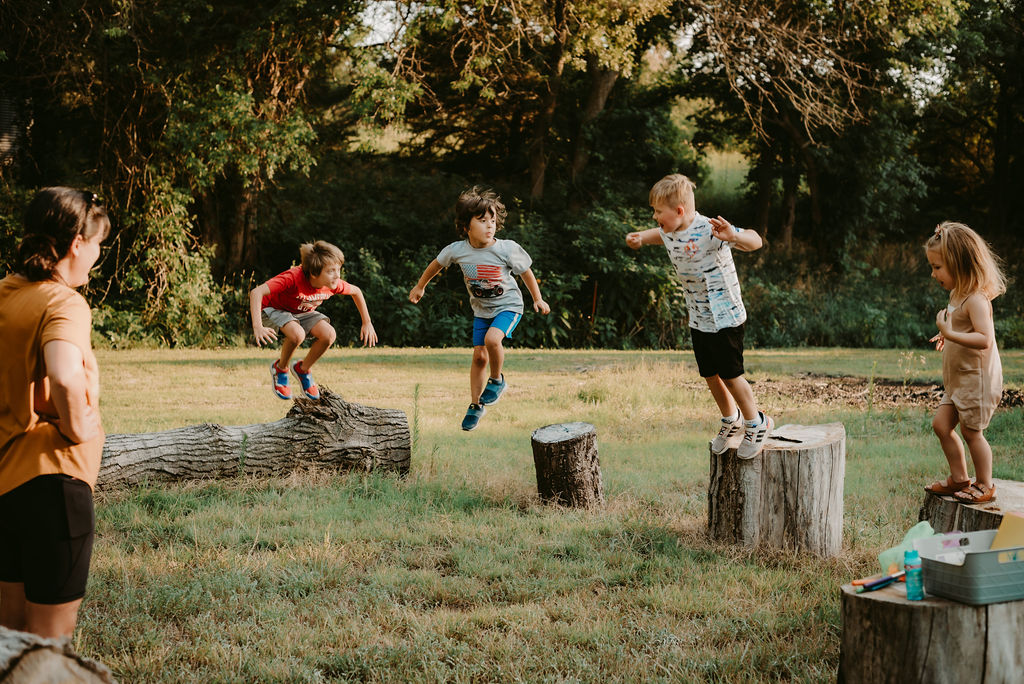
[[47, 526], [719, 353]]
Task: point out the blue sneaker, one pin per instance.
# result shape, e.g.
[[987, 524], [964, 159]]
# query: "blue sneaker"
[[473, 416], [309, 387], [493, 391], [279, 381]]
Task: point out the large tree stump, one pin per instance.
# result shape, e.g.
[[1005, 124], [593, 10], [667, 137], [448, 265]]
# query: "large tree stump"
[[568, 470], [946, 514], [330, 432], [29, 659], [789, 496], [887, 638]]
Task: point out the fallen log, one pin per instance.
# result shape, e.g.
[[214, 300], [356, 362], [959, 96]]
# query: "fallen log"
[[330, 432], [946, 513], [29, 659]]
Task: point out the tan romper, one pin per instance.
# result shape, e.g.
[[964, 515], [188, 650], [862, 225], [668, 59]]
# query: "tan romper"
[[972, 378]]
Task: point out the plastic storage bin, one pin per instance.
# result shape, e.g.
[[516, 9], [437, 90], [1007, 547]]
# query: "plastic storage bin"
[[960, 566]]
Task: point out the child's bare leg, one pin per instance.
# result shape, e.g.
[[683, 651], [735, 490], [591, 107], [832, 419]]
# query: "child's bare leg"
[[981, 454], [293, 337], [325, 336], [477, 373], [495, 351], [740, 390], [722, 397], [944, 425]]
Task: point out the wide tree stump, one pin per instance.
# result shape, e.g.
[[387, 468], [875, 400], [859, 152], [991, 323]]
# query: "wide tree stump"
[[29, 659], [789, 496], [568, 470], [331, 432], [887, 638], [946, 514]]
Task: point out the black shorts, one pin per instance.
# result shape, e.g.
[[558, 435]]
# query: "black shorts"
[[47, 526], [719, 353]]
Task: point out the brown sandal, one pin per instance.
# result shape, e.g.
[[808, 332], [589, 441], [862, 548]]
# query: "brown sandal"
[[977, 493], [947, 487]]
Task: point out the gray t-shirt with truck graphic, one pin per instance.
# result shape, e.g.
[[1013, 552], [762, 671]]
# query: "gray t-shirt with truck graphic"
[[489, 274]]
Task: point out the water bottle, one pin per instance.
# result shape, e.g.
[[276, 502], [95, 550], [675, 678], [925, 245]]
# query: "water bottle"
[[912, 565]]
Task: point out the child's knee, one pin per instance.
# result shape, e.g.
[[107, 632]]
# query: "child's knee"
[[294, 333], [480, 356], [326, 333]]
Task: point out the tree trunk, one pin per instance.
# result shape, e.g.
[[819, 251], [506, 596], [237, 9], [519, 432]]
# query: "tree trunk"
[[568, 469], [946, 514], [790, 496], [765, 183], [538, 146], [330, 432], [229, 222], [887, 638], [29, 659], [602, 81], [790, 183]]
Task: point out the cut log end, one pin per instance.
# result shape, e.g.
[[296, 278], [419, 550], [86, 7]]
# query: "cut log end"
[[946, 513], [29, 659], [568, 469]]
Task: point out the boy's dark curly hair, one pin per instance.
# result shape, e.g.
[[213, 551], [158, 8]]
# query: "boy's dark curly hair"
[[477, 202]]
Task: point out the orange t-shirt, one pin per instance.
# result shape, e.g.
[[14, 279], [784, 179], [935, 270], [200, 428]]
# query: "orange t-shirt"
[[32, 314]]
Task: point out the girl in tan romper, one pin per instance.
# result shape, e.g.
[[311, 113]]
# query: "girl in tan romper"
[[972, 375]]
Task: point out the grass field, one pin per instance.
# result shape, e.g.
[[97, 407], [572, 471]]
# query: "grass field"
[[456, 572]]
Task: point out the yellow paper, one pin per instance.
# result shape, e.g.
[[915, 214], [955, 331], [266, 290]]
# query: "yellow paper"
[[1010, 533]]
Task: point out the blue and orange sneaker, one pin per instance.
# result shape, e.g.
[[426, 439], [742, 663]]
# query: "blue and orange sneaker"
[[309, 387], [279, 381]]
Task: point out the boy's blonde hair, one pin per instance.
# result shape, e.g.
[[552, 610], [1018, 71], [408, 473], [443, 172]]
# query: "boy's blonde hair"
[[318, 255], [475, 203], [673, 190], [969, 260]]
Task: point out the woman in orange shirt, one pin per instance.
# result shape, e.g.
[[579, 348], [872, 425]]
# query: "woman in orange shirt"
[[51, 437]]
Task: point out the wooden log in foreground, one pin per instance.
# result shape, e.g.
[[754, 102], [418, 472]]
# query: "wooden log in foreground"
[[789, 496], [331, 432], [30, 659], [887, 638], [568, 469], [946, 514]]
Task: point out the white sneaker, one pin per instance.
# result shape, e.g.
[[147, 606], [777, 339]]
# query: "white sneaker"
[[753, 438], [725, 433]]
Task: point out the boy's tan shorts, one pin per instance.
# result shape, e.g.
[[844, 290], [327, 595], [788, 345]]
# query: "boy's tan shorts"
[[277, 319]]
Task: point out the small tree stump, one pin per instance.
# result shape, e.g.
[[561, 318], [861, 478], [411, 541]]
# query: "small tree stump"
[[887, 638], [789, 496], [946, 514], [330, 432], [568, 470], [29, 659]]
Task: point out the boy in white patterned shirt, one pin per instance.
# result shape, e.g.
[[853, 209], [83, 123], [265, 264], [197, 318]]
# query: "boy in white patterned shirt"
[[701, 250]]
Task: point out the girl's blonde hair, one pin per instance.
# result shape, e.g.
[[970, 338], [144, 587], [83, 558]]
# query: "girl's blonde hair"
[[969, 260], [318, 255], [673, 190]]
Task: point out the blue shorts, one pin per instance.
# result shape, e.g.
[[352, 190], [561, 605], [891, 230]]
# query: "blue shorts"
[[506, 322]]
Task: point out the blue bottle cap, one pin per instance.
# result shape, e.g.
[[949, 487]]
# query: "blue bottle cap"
[[911, 556]]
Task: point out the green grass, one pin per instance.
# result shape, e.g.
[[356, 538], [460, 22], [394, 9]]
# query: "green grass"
[[456, 572]]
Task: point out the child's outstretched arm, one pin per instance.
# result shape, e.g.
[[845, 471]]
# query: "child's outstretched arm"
[[979, 310], [263, 334], [638, 239], [745, 240], [416, 293], [533, 286], [367, 335]]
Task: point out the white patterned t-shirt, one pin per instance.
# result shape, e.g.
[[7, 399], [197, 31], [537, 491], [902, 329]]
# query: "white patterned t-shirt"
[[708, 275]]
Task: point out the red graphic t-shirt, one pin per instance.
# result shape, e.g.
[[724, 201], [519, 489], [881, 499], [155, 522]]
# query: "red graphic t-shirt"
[[290, 291]]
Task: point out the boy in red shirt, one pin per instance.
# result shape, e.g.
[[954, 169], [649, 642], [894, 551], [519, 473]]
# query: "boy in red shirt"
[[288, 302]]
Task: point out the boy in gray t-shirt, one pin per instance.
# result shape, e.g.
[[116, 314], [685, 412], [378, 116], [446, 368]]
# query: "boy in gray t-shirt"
[[489, 267]]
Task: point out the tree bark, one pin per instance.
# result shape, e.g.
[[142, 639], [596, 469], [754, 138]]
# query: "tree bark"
[[790, 496], [29, 659], [887, 638], [330, 432], [538, 146], [946, 514], [568, 469], [602, 81]]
